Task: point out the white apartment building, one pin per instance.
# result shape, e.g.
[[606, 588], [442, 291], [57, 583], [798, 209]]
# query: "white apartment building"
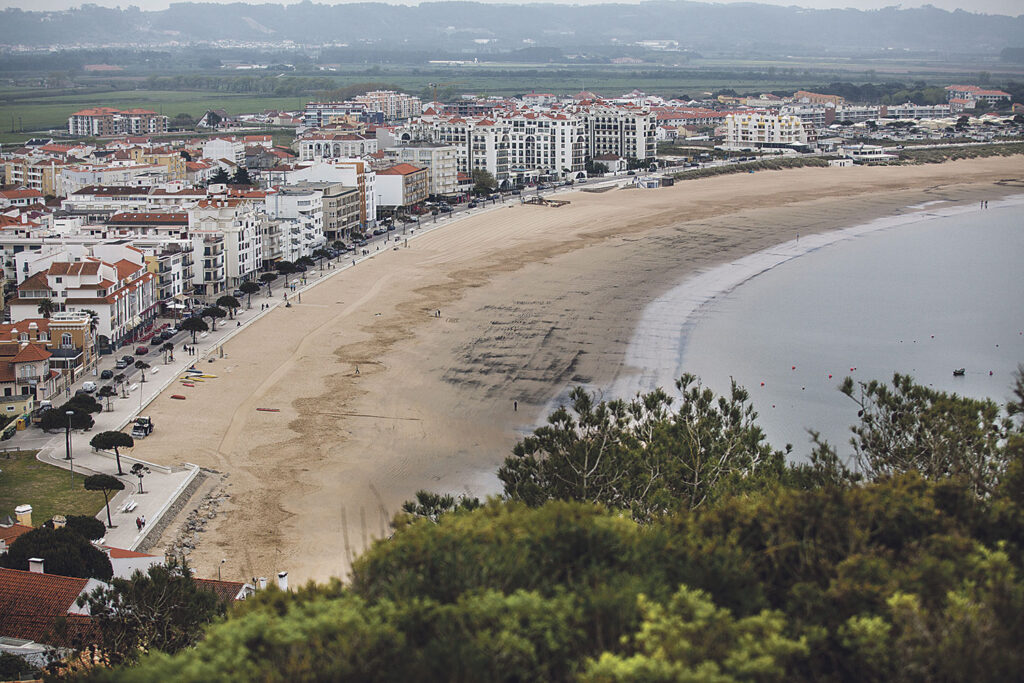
[[229, 148], [548, 144], [111, 199], [349, 172], [909, 110], [440, 161], [227, 244], [319, 114], [817, 115], [479, 143], [113, 282], [624, 130], [319, 146], [767, 131], [74, 178], [301, 214], [394, 105]]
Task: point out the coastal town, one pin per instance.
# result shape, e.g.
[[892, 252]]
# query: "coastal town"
[[135, 253]]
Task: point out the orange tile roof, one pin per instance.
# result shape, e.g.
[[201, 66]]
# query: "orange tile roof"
[[34, 283], [225, 590], [31, 353], [20, 194], [125, 269], [400, 169]]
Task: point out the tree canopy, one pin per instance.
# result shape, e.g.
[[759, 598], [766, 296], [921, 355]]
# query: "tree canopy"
[[63, 551], [738, 567]]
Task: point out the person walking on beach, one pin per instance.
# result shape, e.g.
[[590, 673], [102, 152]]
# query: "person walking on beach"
[[143, 519], [515, 406]]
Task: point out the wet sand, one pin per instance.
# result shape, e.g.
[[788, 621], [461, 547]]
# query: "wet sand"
[[532, 299]]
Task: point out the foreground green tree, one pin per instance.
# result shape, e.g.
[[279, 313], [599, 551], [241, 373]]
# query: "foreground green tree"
[[162, 610], [113, 441], [641, 455], [908, 426], [691, 639], [64, 552]]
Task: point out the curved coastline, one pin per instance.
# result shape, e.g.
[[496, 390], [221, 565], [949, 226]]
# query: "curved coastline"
[[659, 341]]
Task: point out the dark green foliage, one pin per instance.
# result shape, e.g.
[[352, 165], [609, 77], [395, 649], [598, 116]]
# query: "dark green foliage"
[[112, 441], [64, 552], [221, 177], [107, 484], [214, 313], [644, 455], [230, 303], [249, 288], [762, 572], [195, 326], [55, 419], [241, 176], [86, 527], [15, 668]]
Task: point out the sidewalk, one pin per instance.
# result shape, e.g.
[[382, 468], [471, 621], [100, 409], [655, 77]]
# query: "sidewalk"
[[163, 485]]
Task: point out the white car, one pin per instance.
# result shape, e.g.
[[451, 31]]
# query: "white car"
[[89, 386]]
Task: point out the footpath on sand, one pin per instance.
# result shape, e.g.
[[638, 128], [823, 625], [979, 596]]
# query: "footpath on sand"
[[151, 497]]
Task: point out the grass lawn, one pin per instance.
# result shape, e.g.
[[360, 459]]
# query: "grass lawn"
[[25, 480], [42, 113]]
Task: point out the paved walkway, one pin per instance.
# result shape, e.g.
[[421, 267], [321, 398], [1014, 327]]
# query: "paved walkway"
[[163, 485]]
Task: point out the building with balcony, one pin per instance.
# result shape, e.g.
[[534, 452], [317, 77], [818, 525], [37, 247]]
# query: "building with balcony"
[[402, 185], [113, 283], [66, 335], [171, 264], [439, 160], [105, 122], [341, 207], [319, 146], [750, 131], [393, 105], [227, 244], [301, 213]]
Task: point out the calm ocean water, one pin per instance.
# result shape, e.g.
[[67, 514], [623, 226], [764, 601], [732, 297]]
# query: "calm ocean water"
[[922, 298]]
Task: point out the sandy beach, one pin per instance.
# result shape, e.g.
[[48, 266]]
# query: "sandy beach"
[[532, 299]]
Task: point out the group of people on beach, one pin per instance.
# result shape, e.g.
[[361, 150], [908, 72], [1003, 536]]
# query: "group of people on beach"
[[984, 204], [190, 350]]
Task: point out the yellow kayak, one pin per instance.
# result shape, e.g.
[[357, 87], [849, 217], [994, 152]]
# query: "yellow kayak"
[[209, 376]]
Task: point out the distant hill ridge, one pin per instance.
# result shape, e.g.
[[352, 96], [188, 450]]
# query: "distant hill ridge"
[[463, 26]]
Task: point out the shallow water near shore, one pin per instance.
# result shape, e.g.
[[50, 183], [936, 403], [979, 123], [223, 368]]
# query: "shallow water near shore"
[[921, 294]]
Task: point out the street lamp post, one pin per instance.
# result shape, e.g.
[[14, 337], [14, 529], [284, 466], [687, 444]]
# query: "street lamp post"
[[67, 445]]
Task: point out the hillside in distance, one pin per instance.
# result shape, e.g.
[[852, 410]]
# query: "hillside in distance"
[[470, 27]]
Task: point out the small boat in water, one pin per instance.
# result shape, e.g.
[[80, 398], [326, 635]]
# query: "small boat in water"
[[960, 372]]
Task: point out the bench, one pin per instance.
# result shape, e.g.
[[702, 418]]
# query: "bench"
[[129, 506]]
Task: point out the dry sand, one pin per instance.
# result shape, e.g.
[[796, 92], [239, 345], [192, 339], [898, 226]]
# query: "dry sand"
[[532, 299]]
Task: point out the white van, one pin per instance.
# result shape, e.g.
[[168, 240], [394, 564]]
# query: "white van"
[[89, 386]]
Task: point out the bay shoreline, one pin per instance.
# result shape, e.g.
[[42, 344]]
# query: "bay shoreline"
[[533, 300]]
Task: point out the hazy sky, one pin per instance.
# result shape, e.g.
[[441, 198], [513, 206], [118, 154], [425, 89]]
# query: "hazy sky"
[[1007, 7]]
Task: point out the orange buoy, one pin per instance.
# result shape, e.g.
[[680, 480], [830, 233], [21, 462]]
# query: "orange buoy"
[[762, 384], [794, 367]]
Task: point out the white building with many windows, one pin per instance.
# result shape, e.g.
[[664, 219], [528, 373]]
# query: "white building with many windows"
[[767, 131], [227, 244], [300, 212]]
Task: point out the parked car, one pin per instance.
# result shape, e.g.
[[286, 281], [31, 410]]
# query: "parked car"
[[473, 205], [106, 374], [128, 359], [379, 231], [517, 191], [141, 350], [238, 293], [89, 387], [121, 364], [391, 227], [361, 243], [173, 330]]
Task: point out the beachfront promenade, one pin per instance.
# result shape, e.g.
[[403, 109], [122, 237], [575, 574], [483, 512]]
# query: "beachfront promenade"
[[164, 485]]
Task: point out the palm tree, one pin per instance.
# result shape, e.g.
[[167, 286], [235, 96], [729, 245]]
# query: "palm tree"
[[249, 288], [167, 348], [46, 307], [119, 379], [142, 365]]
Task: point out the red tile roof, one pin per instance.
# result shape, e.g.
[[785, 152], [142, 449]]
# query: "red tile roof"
[[225, 590], [32, 607], [9, 533]]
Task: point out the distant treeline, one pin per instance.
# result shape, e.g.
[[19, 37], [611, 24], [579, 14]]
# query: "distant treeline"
[[264, 85]]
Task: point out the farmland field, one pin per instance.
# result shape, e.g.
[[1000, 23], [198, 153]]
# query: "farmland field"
[[39, 112]]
